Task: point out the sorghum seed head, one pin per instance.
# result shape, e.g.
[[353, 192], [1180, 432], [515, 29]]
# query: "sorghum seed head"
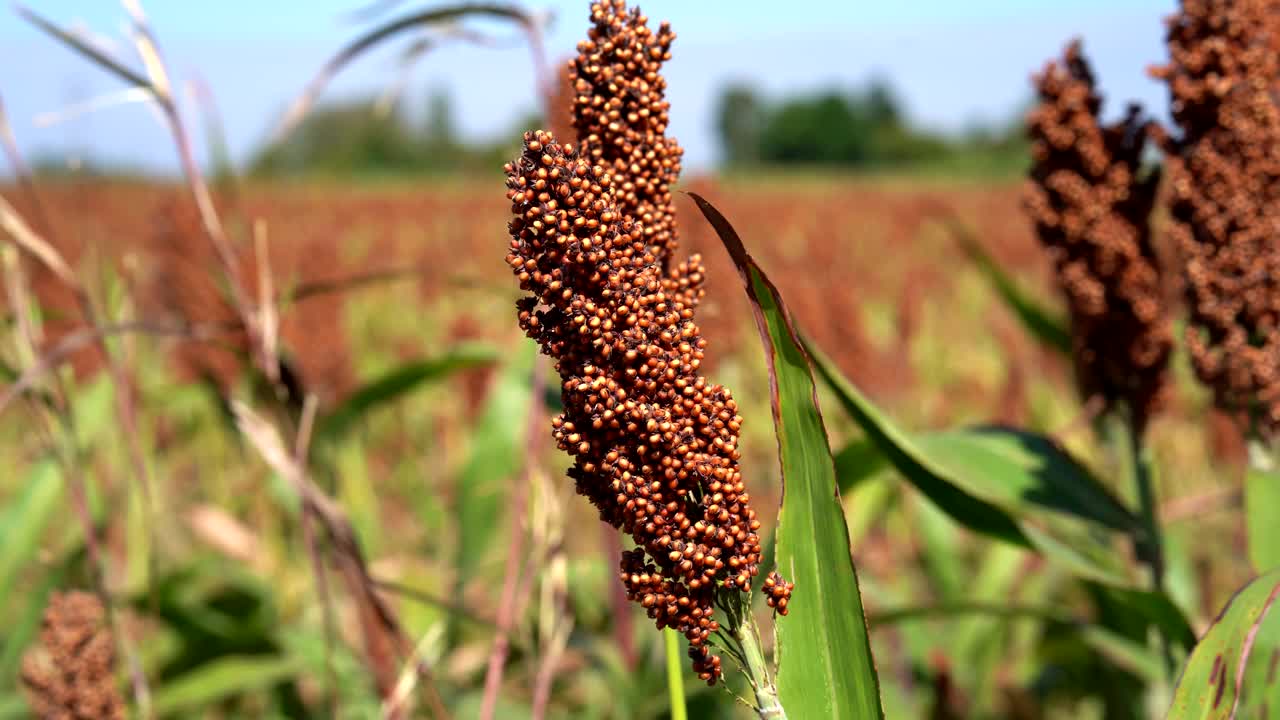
[[655, 445], [71, 672], [1091, 206], [1224, 200]]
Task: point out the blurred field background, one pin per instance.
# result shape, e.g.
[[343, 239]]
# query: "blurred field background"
[[384, 222]]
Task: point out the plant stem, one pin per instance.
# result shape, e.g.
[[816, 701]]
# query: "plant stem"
[[768, 707], [1152, 545], [675, 680], [1149, 511]]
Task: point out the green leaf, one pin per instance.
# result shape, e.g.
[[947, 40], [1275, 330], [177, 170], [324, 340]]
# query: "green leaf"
[[25, 520], [1232, 671], [1008, 484], [497, 454], [1044, 324], [1262, 508], [1155, 608], [223, 678], [912, 462], [825, 664], [1014, 468], [399, 382], [1124, 652], [859, 460]]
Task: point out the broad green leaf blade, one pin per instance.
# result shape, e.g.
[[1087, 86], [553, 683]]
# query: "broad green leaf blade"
[[1232, 671], [913, 463], [223, 678], [1013, 468], [1154, 608], [1044, 324], [399, 382], [1008, 484], [24, 522], [825, 664], [1262, 518]]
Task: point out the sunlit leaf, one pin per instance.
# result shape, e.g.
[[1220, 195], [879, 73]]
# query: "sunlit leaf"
[[1009, 484], [825, 664], [1232, 673]]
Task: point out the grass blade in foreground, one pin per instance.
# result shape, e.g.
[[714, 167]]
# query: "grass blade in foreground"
[[825, 669], [1232, 672], [401, 381]]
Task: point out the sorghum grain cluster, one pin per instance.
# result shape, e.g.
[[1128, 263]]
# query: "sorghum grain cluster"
[[655, 444], [71, 673], [1091, 206], [621, 113], [1225, 196]]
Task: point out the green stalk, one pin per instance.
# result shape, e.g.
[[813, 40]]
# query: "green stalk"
[[1261, 498], [1137, 465], [675, 680], [741, 640], [768, 707], [1147, 508]]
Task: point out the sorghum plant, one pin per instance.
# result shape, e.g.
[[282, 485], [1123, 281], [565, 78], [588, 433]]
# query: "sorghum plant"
[[1091, 205], [655, 444], [1224, 200], [71, 674]]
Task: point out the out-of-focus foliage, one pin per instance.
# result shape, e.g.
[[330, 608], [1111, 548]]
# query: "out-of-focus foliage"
[[866, 129], [362, 138]]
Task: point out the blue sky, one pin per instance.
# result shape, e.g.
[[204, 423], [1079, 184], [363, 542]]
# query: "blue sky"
[[953, 63]]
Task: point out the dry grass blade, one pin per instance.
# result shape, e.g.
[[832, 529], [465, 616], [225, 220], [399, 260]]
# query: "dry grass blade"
[[409, 59], [127, 96], [19, 295], [158, 84], [82, 338], [148, 50], [221, 531], [385, 641], [555, 620], [298, 110], [31, 242], [20, 170], [268, 318], [84, 47]]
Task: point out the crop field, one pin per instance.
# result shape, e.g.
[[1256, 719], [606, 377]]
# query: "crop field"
[[936, 447]]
